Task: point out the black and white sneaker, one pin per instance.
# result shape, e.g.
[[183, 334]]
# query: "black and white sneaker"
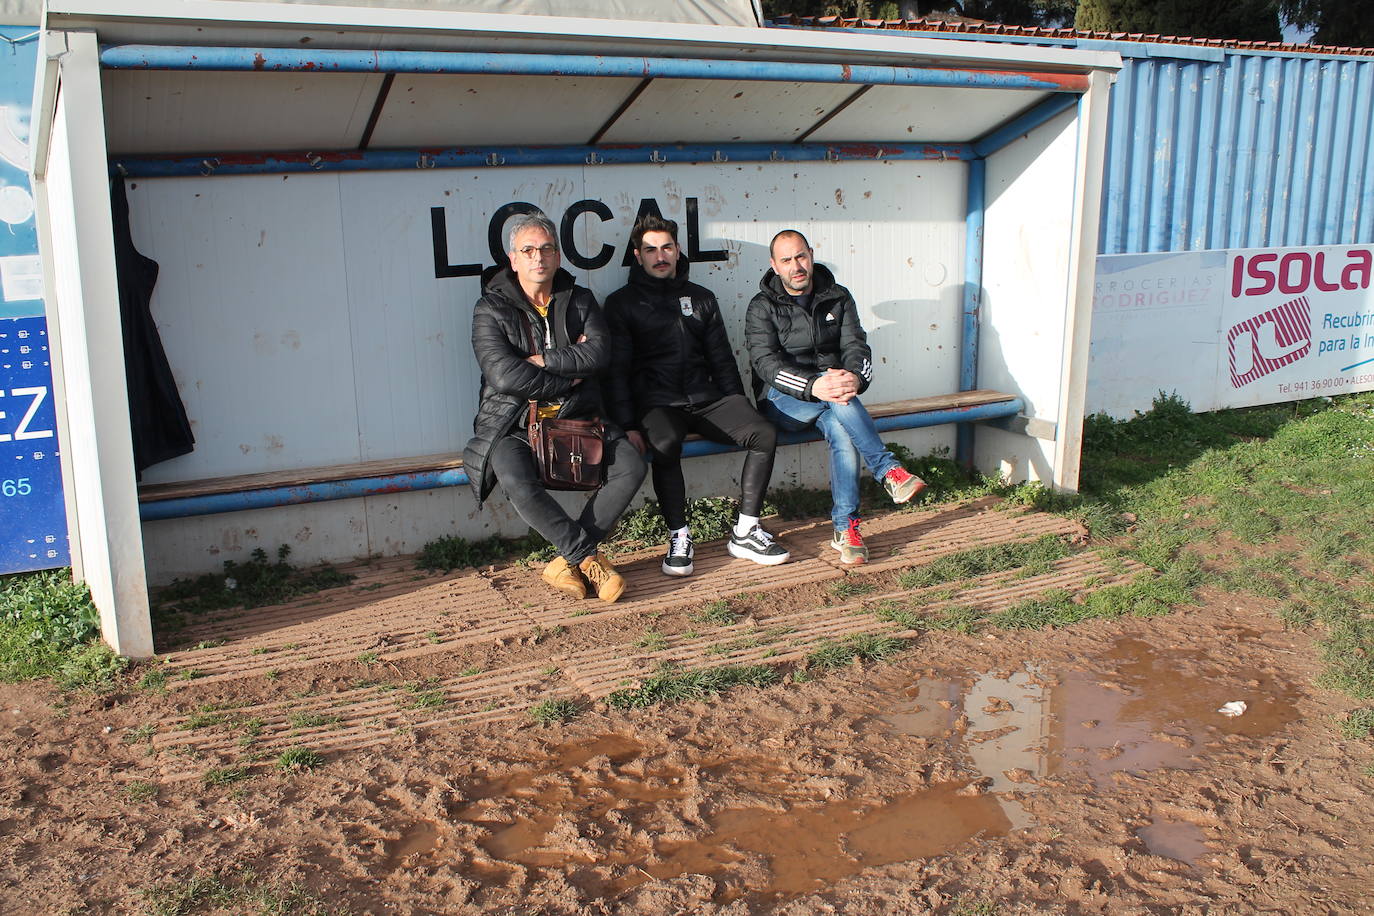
[[758, 545], [678, 562]]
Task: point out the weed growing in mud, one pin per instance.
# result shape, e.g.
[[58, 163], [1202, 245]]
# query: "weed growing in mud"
[[233, 891], [652, 640], [718, 613], [1036, 555], [850, 587], [1359, 724], [223, 776], [47, 628], [860, 646], [253, 583], [548, 712], [451, 552], [973, 906], [297, 759], [670, 684], [139, 791], [312, 719]]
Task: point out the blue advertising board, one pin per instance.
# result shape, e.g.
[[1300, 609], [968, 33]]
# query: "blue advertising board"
[[33, 523]]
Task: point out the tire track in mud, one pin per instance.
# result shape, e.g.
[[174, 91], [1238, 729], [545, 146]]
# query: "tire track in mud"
[[374, 714]]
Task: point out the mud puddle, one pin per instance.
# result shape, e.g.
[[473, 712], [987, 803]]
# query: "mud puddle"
[[1149, 710], [810, 847]]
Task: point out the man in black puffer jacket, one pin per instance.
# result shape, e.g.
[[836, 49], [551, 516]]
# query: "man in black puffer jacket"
[[811, 362], [540, 337], [673, 373]]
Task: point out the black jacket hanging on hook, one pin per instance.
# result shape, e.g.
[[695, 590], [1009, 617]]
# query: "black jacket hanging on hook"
[[161, 429]]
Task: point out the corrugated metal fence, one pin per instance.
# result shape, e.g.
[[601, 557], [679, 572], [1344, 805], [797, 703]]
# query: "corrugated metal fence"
[[1237, 150]]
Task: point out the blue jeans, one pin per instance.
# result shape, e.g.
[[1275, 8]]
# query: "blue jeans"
[[850, 432]]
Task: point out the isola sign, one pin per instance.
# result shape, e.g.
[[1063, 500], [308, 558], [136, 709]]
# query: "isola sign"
[[567, 224]]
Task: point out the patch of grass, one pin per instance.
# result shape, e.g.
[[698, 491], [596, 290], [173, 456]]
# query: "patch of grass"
[[548, 712], [368, 658], [139, 734], [139, 791], [717, 613], [154, 677], [1036, 555], [233, 891], [253, 583], [861, 646], [451, 552], [652, 640], [298, 759], [312, 719], [964, 905], [470, 670], [93, 666], [223, 776], [47, 625], [670, 684], [1359, 724], [850, 587]]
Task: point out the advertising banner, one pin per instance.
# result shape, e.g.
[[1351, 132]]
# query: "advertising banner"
[[1231, 328], [33, 525]]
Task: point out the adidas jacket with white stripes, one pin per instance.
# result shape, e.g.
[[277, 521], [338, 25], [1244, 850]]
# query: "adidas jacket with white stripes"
[[790, 347]]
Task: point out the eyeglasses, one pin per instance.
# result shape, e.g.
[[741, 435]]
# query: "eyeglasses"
[[529, 251]]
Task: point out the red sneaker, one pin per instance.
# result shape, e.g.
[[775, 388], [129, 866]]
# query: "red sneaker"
[[850, 544], [901, 486]]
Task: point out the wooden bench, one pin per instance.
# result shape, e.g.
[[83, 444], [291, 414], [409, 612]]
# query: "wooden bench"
[[393, 475]]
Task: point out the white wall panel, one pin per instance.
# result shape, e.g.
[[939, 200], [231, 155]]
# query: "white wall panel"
[[1026, 277], [253, 307], [167, 112]]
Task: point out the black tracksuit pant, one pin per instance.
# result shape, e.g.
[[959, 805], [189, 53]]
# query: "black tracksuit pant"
[[730, 420], [512, 461]]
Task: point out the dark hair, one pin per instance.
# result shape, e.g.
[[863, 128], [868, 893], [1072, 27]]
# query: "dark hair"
[[651, 223], [786, 233]]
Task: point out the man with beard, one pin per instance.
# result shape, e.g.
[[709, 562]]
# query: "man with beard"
[[811, 362], [540, 337], [673, 373]]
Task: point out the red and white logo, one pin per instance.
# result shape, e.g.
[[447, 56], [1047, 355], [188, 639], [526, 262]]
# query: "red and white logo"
[[1270, 341]]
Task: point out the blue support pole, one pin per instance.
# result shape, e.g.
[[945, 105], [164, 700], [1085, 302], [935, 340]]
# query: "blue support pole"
[[188, 506], [475, 157], [973, 298], [1023, 123], [320, 60]]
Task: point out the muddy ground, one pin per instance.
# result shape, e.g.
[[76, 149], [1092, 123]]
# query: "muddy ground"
[[1085, 770]]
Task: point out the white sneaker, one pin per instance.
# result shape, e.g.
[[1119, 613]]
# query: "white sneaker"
[[678, 562], [758, 545]]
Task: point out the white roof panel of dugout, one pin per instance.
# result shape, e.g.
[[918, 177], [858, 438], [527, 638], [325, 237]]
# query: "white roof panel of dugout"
[[154, 111]]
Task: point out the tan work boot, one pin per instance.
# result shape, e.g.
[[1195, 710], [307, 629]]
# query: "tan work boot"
[[565, 578], [601, 575]]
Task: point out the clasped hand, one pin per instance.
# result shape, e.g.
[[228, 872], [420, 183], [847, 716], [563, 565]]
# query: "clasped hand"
[[837, 386]]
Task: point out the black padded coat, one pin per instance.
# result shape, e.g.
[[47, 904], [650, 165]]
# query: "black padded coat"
[[501, 344], [671, 349], [790, 347]]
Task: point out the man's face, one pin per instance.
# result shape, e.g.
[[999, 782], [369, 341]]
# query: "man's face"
[[535, 257], [791, 260], [657, 254]]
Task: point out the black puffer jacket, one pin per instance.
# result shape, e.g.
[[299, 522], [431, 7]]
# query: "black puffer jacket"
[[501, 344], [790, 347], [671, 349]]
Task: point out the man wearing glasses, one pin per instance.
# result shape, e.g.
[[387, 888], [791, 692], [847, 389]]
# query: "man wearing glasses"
[[539, 336]]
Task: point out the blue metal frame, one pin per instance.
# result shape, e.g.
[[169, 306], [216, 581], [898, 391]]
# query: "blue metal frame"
[[188, 506], [477, 156], [973, 297], [323, 60]]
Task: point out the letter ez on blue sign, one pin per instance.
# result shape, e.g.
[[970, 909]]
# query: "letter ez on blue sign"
[[33, 523]]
